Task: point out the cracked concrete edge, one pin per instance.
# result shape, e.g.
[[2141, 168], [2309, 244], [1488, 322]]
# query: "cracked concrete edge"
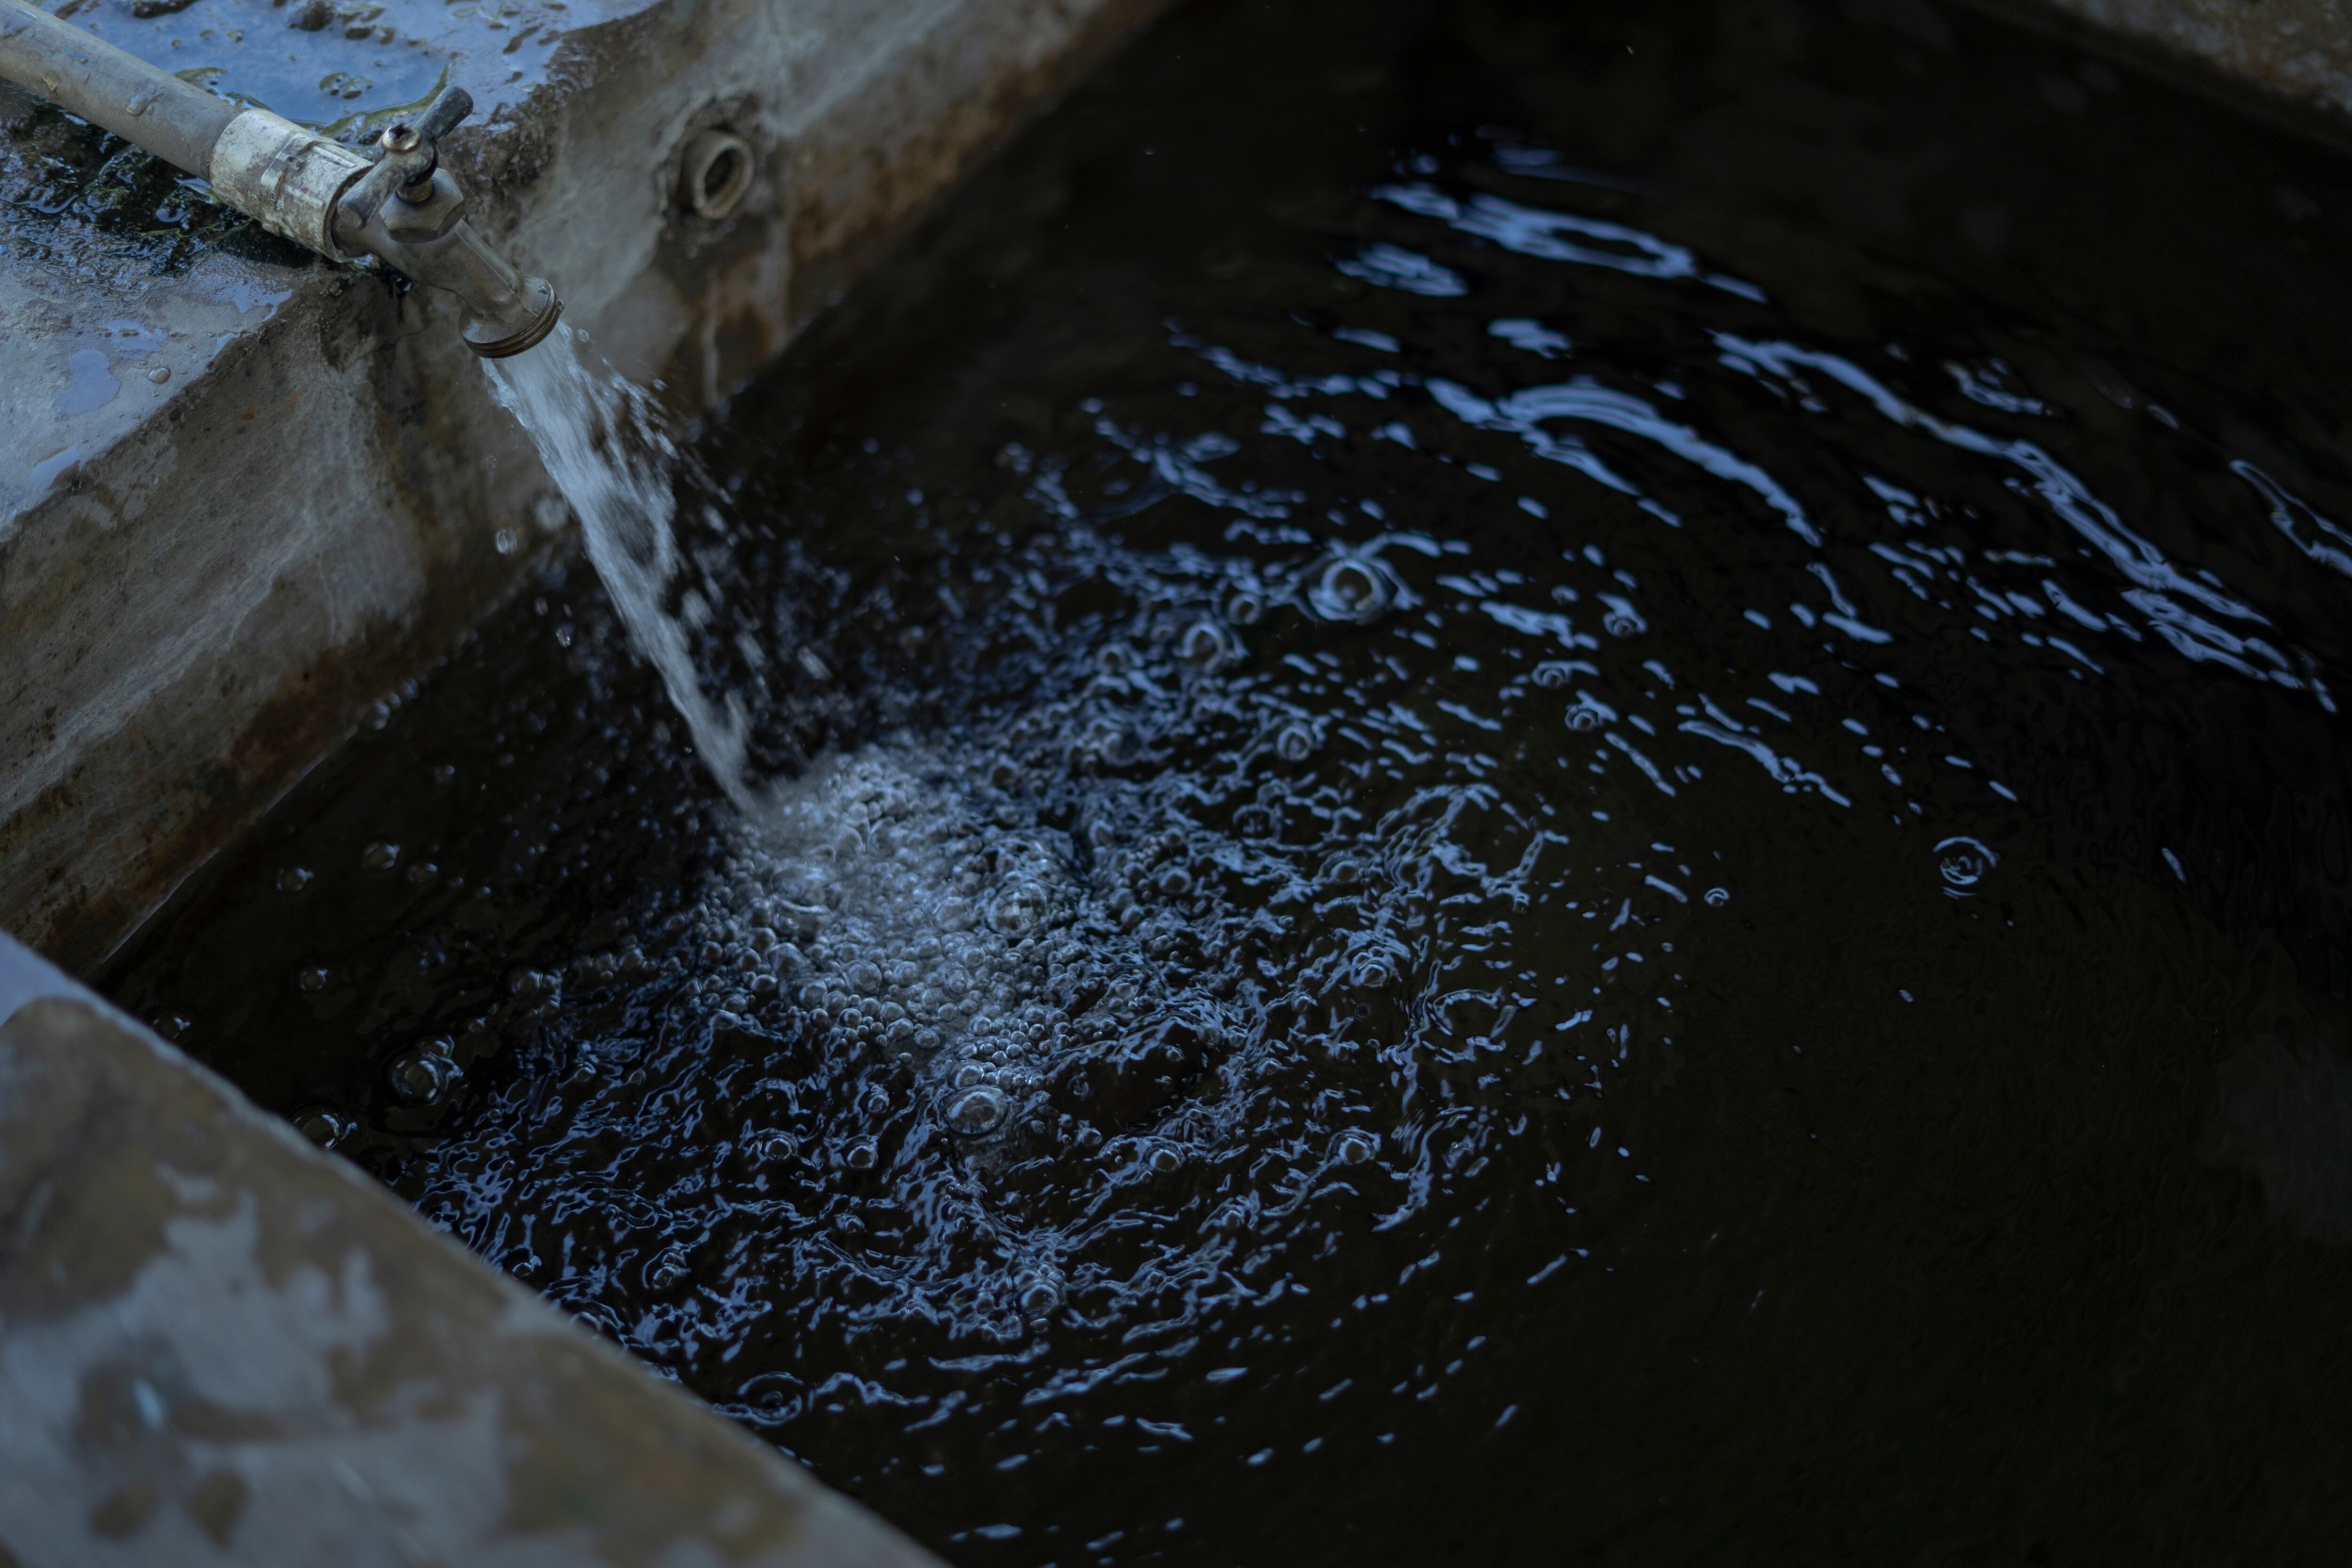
[[302, 516], [215, 1340]]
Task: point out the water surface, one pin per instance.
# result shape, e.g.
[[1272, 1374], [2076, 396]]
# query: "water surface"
[[1529, 785]]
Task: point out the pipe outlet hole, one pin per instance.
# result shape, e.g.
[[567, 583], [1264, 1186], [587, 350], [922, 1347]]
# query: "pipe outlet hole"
[[716, 173]]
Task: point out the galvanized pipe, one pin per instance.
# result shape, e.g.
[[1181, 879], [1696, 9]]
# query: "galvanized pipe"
[[295, 182], [83, 76]]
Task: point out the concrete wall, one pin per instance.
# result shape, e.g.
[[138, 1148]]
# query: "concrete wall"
[[208, 575], [217, 1344], [2298, 52]]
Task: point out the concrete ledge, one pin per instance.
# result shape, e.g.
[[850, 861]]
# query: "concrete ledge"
[[216, 1343], [2297, 51], [207, 579]]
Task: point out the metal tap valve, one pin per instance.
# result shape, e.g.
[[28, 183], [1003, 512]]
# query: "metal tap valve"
[[405, 207], [411, 212]]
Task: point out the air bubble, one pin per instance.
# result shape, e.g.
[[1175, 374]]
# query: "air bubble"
[[379, 856], [423, 1075], [977, 1110], [1165, 1159], [1719, 897], [1245, 608], [1347, 587], [294, 879], [1019, 910], [1039, 1291], [861, 1154], [1208, 646], [525, 985], [1963, 863], [1294, 743], [322, 1125], [1105, 742], [1584, 718]]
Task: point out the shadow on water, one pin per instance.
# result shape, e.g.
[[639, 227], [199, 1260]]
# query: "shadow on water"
[[1546, 784]]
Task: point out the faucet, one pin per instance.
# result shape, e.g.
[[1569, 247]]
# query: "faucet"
[[411, 212], [402, 207]]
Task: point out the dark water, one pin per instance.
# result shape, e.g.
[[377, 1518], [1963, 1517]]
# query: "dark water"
[[1555, 783]]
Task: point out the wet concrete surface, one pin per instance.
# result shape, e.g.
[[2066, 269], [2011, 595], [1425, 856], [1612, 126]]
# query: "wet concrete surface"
[[218, 1343]]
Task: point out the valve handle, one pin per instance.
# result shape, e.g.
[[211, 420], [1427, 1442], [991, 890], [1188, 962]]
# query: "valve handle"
[[411, 151]]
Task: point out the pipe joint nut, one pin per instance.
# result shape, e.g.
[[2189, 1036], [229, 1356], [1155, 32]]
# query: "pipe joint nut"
[[289, 178], [413, 216]]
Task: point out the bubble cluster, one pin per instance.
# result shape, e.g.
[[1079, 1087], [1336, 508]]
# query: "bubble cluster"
[[1095, 1015]]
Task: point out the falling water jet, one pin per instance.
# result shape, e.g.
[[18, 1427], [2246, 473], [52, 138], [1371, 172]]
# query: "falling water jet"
[[602, 445]]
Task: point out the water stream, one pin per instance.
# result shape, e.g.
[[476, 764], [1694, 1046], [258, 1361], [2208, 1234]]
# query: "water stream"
[[1469, 785], [606, 450]]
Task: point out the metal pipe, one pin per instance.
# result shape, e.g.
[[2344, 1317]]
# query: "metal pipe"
[[175, 120], [403, 207]]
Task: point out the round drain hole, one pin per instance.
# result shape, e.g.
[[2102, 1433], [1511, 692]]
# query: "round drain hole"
[[716, 174]]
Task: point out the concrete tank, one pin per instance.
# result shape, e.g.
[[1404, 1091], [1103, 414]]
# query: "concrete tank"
[[241, 500]]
